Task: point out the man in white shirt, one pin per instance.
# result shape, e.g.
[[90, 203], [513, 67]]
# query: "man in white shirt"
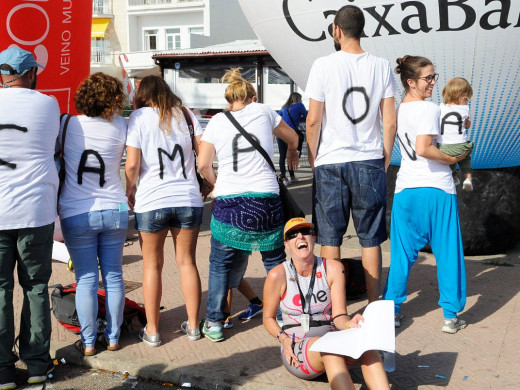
[[29, 125], [348, 90]]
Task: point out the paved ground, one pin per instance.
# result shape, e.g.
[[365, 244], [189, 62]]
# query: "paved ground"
[[483, 356]]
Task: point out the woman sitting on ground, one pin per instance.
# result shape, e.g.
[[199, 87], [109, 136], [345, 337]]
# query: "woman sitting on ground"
[[293, 281]]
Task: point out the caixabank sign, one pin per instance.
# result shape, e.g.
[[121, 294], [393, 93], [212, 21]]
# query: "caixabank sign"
[[474, 39], [58, 33]]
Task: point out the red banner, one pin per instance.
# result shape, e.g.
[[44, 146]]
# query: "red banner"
[[58, 33]]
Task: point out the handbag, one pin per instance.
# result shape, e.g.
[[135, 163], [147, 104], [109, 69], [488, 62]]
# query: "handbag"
[[205, 186], [290, 207]]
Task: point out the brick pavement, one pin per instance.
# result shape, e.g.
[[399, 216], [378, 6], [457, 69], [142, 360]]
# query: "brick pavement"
[[485, 355]]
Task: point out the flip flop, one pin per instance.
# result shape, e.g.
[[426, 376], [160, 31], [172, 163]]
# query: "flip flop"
[[81, 348], [109, 347]]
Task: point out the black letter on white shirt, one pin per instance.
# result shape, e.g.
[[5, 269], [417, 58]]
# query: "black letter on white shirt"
[[236, 150], [14, 127], [367, 103], [83, 168], [457, 122], [412, 156], [176, 149]]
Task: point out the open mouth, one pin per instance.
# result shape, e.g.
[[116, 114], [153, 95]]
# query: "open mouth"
[[302, 245]]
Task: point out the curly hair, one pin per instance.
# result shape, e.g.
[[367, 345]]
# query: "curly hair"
[[456, 89], [99, 95]]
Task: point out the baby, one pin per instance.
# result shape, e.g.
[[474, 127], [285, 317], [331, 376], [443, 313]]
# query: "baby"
[[455, 122]]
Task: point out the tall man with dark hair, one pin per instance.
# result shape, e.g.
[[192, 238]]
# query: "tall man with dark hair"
[[29, 125], [348, 91]]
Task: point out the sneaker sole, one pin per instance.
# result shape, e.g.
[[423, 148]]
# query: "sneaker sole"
[[447, 329], [253, 316], [215, 340], [153, 344], [9, 386], [227, 326]]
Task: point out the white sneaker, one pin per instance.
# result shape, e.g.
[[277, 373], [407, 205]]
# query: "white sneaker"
[[293, 179], [286, 181], [453, 325], [456, 180], [397, 319], [467, 185]]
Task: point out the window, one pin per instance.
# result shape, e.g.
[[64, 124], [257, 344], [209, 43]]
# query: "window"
[[150, 39], [197, 30], [173, 38]]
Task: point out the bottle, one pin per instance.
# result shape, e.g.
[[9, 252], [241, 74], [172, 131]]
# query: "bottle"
[[389, 361]]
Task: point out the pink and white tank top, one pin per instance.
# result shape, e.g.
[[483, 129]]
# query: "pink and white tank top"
[[320, 306]]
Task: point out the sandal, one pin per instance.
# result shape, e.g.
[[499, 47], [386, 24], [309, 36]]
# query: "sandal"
[[81, 348], [106, 344]]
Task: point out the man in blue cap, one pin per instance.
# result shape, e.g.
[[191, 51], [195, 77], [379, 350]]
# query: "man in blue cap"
[[29, 125]]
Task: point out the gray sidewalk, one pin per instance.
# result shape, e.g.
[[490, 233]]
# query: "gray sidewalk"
[[485, 355]]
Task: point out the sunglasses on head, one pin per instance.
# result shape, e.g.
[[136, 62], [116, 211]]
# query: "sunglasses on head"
[[294, 233]]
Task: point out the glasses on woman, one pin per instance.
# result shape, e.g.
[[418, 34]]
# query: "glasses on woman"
[[430, 78], [294, 233]]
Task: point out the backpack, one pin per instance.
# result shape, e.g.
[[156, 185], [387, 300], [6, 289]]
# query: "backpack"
[[356, 284], [63, 300]]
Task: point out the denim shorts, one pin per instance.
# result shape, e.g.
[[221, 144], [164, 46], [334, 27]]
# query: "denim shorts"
[[358, 187], [169, 217]]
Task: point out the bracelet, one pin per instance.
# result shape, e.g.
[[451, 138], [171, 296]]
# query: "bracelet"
[[279, 334], [339, 315]]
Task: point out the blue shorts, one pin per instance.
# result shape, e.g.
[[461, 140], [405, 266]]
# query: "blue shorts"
[[169, 217], [358, 187]]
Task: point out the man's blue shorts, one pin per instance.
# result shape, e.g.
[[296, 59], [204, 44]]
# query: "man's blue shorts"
[[358, 187]]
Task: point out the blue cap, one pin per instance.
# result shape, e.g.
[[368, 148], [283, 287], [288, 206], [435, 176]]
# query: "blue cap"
[[20, 60]]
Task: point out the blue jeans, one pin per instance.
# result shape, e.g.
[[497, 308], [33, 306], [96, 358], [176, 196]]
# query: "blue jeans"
[[221, 260], [89, 237], [357, 186], [169, 217]]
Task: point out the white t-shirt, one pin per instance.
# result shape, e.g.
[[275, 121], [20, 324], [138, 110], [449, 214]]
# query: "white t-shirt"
[[352, 86], [167, 176], [93, 151], [413, 119], [452, 126], [241, 168], [29, 124]]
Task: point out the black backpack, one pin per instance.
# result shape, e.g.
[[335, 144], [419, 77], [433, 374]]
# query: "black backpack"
[[356, 284]]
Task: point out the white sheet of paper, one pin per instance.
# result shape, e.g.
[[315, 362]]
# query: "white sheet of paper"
[[60, 252], [376, 333]]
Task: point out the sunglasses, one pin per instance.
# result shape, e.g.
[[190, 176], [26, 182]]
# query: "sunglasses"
[[294, 233]]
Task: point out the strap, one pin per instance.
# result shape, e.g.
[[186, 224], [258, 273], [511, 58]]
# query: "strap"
[[290, 117], [189, 122], [64, 132], [312, 324], [251, 140]]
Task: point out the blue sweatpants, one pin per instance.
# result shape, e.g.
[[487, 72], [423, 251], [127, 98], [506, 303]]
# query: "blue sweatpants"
[[421, 216]]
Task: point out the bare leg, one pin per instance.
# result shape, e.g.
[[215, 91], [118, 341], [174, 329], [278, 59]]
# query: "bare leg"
[[229, 301], [331, 252], [245, 288], [373, 371], [153, 261], [371, 258], [185, 243], [334, 365]]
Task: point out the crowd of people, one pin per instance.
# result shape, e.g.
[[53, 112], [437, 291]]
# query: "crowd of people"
[[351, 92]]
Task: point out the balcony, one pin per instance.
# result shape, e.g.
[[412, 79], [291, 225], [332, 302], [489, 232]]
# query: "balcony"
[[162, 3], [100, 56], [102, 7]]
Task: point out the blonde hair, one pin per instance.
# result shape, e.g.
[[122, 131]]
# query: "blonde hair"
[[154, 92], [456, 89], [239, 89]]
